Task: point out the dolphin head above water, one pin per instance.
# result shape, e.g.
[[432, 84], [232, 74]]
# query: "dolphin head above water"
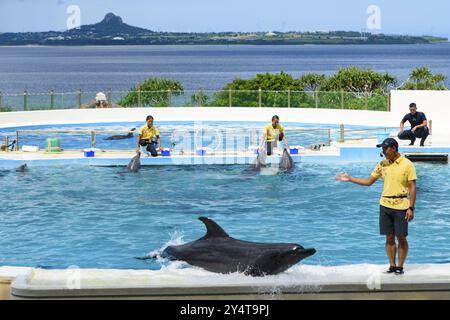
[[22, 168], [135, 163], [260, 161], [218, 252], [286, 161]]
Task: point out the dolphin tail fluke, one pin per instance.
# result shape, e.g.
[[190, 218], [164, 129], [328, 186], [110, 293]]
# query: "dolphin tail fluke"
[[212, 228]]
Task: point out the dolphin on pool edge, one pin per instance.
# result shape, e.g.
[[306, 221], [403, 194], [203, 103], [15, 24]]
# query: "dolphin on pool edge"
[[220, 253], [135, 163], [286, 161], [122, 136]]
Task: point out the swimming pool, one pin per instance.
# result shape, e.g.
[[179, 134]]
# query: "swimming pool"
[[100, 217], [185, 136]]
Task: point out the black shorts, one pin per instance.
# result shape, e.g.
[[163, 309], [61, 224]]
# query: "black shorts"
[[393, 221]]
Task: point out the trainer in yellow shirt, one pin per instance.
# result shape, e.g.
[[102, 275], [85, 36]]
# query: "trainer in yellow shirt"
[[396, 176], [149, 136], [273, 132], [396, 210]]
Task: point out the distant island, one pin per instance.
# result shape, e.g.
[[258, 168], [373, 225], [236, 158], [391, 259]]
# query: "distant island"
[[113, 31]]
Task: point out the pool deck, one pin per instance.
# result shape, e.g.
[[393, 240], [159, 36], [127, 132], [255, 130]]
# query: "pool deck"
[[304, 282], [352, 151]]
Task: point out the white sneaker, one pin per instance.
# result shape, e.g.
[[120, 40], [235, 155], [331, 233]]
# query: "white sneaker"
[[144, 152]]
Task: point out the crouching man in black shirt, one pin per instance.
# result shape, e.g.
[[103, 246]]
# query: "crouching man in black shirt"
[[419, 126]]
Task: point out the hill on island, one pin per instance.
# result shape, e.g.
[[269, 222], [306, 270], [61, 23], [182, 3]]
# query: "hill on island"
[[113, 31]]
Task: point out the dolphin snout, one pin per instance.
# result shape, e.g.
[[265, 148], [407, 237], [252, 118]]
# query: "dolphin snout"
[[309, 252], [305, 252]]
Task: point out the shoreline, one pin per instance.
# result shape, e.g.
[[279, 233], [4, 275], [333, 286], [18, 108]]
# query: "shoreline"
[[220, 45]]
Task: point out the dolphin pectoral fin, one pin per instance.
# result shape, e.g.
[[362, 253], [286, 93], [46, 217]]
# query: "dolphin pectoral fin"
[[212, 228], [148, 257]]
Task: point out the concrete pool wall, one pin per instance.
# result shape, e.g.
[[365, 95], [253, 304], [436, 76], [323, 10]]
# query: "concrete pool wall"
[[433, 103]]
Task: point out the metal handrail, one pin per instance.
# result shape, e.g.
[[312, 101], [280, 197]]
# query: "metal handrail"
[[94, 133]]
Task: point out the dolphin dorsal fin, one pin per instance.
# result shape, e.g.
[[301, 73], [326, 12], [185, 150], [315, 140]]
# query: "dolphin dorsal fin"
[[212, 228]]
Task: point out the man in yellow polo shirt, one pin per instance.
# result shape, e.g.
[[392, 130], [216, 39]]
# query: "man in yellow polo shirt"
[[149, 136], [272, 133], [396, 210]]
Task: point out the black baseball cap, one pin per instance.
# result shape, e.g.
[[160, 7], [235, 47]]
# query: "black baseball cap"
[[389, 142]]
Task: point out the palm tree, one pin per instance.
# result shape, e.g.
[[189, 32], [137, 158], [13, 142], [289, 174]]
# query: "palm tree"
[[423, 79]]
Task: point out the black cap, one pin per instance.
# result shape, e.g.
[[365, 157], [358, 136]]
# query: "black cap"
[[389, 142]]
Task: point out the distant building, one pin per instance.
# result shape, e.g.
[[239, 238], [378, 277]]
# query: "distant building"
[[56, 38], [119, 38]]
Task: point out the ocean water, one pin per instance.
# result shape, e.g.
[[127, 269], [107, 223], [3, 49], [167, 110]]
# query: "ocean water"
[[100, 217], [66, 69]]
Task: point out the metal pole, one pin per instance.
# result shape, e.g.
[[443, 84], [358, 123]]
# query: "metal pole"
[[316, 99], [79, 98], [17, 141], [342, 129], [52, 99], [25, 100], [289, 98], [92, 139], [109, 98], [1, 99], [389, 101], [229, 98], [329, 136], [342, 99], [259, 97], [139, 99], [169, 97], [366, 98], [6, 143], [430, 127]]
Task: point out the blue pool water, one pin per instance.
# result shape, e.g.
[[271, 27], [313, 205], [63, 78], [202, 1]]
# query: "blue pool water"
[[216, 135], [62, 216]]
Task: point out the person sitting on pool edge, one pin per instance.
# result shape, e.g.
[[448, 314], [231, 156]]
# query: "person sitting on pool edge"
[[149, 136], [273, 133], [419, 126]]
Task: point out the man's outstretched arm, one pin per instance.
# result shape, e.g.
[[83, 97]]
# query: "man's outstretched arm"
[[345, 177]]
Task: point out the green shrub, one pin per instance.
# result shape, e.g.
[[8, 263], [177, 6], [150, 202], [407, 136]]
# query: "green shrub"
[[153, 92]]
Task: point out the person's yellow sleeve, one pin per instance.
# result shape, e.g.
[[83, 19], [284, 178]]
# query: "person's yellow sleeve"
[[412, 173], [141, 131], [377, 173]]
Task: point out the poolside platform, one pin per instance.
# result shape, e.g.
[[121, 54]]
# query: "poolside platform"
[[360, 151], [301, 282]]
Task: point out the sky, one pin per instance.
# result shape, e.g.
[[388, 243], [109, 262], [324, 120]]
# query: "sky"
[[409, 17]]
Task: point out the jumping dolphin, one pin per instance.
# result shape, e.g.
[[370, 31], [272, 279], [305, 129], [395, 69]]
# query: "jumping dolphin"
[[135, 163], [218, 252], [122, 137], [286, 162]]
